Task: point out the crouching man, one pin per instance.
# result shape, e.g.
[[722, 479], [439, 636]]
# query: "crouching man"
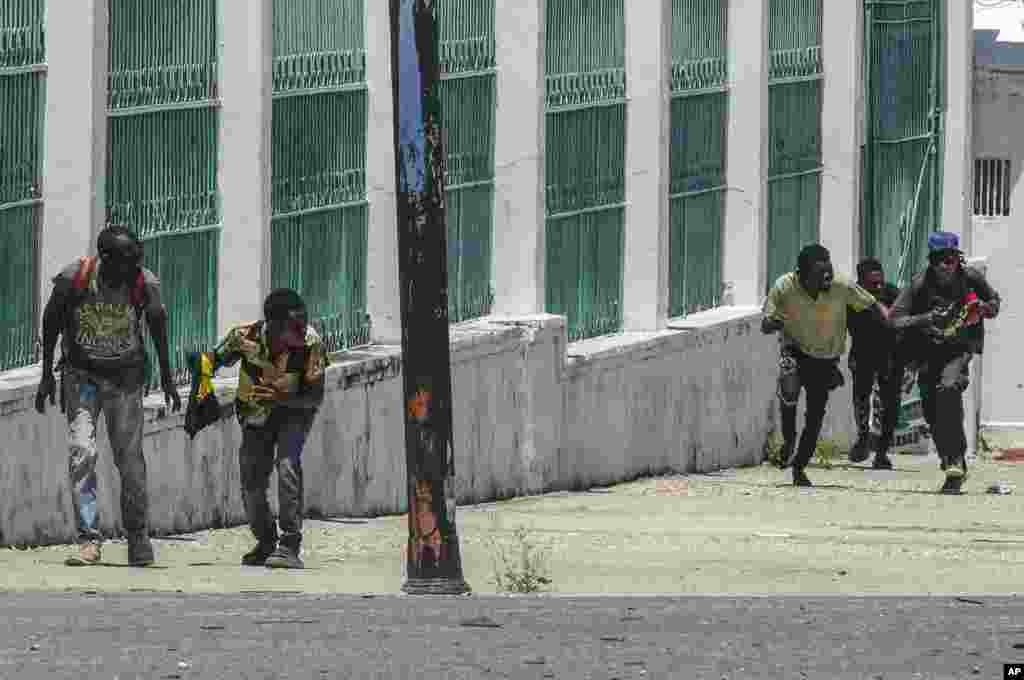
[[959, 299], [280, 389], [810, 307], [872, 360]]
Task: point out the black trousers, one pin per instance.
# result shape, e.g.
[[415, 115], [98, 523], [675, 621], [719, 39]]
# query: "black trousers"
[[286, 431], [943, 375], [867, 368], [816, 377]]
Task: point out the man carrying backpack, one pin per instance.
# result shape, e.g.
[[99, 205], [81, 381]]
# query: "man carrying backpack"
[[280, 389], [960, 298], [99, 306]]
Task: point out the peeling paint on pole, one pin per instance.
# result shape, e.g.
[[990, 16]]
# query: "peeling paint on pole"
[[434, 564]]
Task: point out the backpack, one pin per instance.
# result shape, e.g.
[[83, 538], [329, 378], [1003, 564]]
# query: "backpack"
[[80, 284]]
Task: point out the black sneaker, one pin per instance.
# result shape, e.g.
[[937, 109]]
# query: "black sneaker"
[[799, 478], [860, 451], [257, 557], [284, 558], [881, 462], [140, 550], [954, 480]]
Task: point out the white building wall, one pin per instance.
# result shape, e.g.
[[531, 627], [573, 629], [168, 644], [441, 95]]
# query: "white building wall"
[[999, 133]]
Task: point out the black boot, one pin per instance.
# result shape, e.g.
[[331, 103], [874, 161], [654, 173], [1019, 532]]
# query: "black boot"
[[800, 478], [285, 557], [257, 557], [881, 462], [861, 450]]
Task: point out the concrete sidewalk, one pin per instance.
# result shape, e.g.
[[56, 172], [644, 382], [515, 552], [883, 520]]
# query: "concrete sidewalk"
[[740, 531]]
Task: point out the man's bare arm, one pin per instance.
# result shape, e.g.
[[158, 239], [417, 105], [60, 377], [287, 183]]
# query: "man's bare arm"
[[53, 326]]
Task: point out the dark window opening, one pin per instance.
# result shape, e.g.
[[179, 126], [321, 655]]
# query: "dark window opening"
[[992, 187]]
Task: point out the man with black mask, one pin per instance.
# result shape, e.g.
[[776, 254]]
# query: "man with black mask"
[[960, 299], [99, 307], [810, 307]]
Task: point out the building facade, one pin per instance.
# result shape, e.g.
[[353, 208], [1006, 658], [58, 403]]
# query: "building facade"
[[997, 205], [618, 163]]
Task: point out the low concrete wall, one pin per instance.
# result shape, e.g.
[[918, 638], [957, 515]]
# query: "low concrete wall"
[[531, 414]]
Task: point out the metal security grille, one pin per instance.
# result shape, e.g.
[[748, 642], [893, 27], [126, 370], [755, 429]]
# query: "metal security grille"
[[22, 111], [585, 89], [992, 187], [162, 156], [318, 229], [468, 106], [794, 118], [902, 155], [697, 155]]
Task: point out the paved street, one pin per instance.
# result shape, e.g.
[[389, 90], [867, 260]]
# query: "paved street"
[[301, 636], [785, 564]]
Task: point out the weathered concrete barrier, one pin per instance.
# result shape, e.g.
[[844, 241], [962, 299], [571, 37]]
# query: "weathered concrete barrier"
[[532, 413]]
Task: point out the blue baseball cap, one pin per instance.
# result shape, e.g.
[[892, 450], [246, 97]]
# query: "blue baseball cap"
[[943, 240]]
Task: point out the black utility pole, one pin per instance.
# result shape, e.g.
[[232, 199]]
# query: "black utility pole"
[[434, 562]]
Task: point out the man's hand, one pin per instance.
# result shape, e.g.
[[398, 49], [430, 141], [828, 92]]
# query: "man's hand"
[[771, 324], [267, 393], [47, 388], [171, 396], [986, 310]]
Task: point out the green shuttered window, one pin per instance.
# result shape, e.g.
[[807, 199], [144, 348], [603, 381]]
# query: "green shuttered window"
[[585, 87], [902, 155], [22, 111], [697, 185], [468, 104], [794, 115], [318, 195], [162, 156]]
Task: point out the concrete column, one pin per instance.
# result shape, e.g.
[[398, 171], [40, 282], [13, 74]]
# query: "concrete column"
[[842, 47], [744, 242], [382, 297], [519, 159], [74, 169], [245, 163], [645, 257], [959, 97]]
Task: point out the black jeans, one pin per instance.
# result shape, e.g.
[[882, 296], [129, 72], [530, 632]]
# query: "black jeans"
[[286, 430], [817, 377], [868, 367]]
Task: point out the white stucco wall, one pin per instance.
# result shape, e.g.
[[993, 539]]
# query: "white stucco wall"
[[999, 132], [528, 417]]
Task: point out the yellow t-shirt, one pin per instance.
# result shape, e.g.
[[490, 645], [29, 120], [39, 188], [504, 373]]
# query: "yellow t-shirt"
[[815, 326]]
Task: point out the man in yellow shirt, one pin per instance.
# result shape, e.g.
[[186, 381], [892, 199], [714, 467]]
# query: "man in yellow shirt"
[[809, 306]]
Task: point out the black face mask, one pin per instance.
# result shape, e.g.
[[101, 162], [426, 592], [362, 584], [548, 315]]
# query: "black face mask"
[[121, 267]]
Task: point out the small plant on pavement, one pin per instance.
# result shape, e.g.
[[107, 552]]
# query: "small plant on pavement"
[[826, 453], [773, 449], [519, 565]]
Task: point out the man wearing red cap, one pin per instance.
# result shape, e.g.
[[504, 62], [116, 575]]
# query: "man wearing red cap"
[[960, 298]]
